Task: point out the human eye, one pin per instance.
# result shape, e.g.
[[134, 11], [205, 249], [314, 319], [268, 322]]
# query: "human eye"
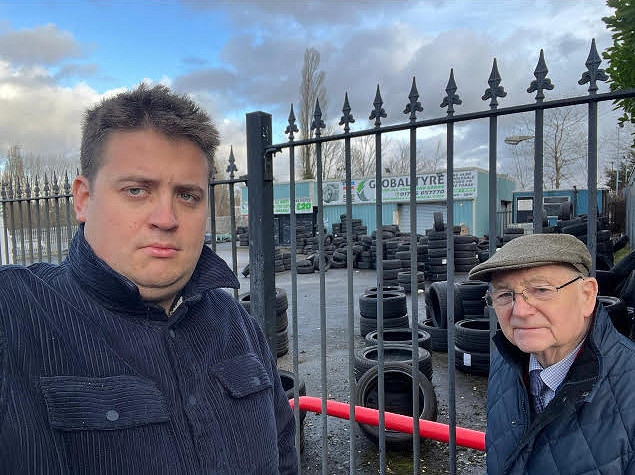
[[135, 191], [502, 296], [189, 197], [541, 292]]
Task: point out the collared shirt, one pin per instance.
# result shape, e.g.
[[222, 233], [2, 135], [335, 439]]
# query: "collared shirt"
[[553, 375]]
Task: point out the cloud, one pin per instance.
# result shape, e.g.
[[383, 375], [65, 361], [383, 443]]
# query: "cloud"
[[41, 45]]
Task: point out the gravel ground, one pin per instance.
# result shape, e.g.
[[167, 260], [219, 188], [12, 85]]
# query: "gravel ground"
[[470, 390]]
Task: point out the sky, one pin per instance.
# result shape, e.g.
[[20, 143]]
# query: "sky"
[[233, 57]]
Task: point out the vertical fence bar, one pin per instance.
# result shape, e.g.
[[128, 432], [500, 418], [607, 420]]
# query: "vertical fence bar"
[[377, 113], [451, 297], [20, 223], [538, 210], [47, 218], [413, 107], [38, 218], [346, 120], [449, 101], [317, 126], [212, 206], [592, 185], [292, 128], [261, 248], [231, 169], [29, 222]]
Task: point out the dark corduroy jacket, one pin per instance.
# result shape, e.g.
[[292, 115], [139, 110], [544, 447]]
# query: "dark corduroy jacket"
[[95, 381], [589, 426]]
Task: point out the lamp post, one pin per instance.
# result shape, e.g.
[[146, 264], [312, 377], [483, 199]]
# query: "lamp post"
[[516, 139]]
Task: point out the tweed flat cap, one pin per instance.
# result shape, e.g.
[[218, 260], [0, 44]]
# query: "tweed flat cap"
[[534, 250]]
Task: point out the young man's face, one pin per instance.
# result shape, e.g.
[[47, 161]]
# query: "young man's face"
[[146, 210], [548, 329]]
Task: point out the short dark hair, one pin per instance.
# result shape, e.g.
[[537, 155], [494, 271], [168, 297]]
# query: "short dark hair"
[[157, 108]]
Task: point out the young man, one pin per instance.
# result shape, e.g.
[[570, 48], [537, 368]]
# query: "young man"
[[128, 357], [561, 394]]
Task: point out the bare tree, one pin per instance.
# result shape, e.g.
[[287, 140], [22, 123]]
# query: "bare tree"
[[564, 148], [399, 161], [311, 90]]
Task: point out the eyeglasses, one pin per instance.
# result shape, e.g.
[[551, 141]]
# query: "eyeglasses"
[[505, 298]]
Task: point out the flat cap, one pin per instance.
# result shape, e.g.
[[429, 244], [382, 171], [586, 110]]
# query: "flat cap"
[[534, 250]]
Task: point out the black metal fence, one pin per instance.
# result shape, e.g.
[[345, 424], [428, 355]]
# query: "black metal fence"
[[260, 150]]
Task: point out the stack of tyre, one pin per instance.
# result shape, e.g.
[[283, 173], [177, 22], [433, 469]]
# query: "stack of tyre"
[[617, 293], [471, 323], [578, 227], [395, 310], [400, 354], [282, 319], [278, 261], [472, 336], [511, 232], [465, 252], [243, 235], [301, 235], [437, 268], [390, 274]]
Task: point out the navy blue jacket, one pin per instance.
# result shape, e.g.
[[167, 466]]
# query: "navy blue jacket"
[[588, 428], [96, 381]]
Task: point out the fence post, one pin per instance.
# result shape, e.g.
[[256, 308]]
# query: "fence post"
[[262, 287]]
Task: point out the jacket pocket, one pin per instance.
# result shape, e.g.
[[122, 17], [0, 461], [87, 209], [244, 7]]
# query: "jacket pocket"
[[110, 403], [113, 425], [243, 376], [240, 391]]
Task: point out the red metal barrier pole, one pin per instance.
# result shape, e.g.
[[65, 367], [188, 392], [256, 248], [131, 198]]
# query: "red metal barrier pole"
[[469, 438]]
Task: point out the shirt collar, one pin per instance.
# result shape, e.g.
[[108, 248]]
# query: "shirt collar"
[[554, 375]]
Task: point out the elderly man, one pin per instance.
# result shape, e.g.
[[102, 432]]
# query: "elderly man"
[[561, 394]]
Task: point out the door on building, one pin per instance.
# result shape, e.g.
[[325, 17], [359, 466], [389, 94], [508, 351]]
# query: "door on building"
[[425, 216]]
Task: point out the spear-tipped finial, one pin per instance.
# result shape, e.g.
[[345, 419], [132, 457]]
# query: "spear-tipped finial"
[[495, 89], [452, 97], [378, 112], [347, 118], [593, 72], [414, 105]]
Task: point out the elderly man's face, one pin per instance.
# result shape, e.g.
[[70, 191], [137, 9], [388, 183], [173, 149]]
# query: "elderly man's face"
[[549, 329]]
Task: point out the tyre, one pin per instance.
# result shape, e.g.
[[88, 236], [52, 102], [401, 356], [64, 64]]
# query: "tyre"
[[438, 336], [367, 325], [397, 399], [618, 313], [368, 357], [438, 301], [282, 343], [394, 305], [386, 288], [437, 220], [401, 335], [471, 362], [288, 380], [472, 335]]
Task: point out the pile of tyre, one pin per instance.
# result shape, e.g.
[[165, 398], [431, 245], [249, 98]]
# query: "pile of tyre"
[[243, 235], [471, 324], [395, 309], [617, 293], [282, 319], [401, 353]]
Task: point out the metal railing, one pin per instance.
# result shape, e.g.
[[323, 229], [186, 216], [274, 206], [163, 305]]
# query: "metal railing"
[[260, 151]]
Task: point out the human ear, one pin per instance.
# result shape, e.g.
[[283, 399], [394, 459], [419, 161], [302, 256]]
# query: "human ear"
[[81, 194], [589, 292]]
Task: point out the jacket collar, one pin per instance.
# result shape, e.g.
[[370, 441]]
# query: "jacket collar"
[[118, 293], [587, 368]]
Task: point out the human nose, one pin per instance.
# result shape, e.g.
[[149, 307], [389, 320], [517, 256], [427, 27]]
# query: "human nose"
[[163, 215], [520, 305]]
